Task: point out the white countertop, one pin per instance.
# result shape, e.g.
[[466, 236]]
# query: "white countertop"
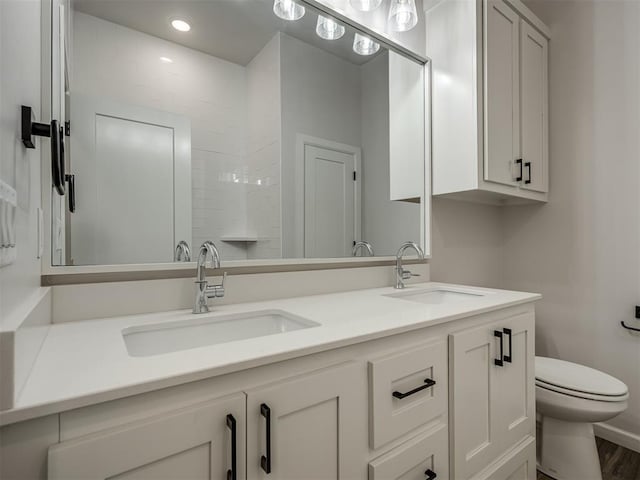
[[83, 363]]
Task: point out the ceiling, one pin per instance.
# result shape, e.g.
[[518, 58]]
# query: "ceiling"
[[234, 30]]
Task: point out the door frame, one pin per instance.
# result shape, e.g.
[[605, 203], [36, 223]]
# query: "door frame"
[[303, 141]]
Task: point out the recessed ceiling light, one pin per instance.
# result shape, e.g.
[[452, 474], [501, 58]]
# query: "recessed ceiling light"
[[166, 60], [180, 25]]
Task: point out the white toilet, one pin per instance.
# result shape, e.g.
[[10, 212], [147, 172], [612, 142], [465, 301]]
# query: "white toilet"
[[570, 398]]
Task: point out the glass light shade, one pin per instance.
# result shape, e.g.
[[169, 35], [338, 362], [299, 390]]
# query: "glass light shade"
[[288, 10], [365, 5], [364, 45], [403, 15], [328, 28]]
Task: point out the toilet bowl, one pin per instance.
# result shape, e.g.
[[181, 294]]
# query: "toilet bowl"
[[570, 398]]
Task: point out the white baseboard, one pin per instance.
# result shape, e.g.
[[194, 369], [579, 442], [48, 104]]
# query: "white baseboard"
[[618, 436]]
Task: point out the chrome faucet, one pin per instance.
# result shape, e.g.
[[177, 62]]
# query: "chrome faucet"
[[401, 273], [364, 245], [182, 253], [204, 291]]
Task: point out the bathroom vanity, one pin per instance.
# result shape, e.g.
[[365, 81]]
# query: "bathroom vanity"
[[432, 381]]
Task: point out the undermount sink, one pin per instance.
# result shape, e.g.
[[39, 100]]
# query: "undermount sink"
[[166, 337], [438, 296]]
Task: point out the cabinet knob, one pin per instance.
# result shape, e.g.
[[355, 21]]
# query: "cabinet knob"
[[430, 474]]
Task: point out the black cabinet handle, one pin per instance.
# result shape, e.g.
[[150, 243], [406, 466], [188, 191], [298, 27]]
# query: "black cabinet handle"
[[507, 358], [528, 166], [519, 162], [427, 383], [430, 474], [498, 361], [71, 179], [265, 460], [232, 473]]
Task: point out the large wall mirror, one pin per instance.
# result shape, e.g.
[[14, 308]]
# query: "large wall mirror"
[[272, 129]]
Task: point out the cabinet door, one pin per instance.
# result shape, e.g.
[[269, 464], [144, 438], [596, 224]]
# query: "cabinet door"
[[412, 460], [313, 426], [534, 105], [493, 402], [194, 443], [472, 389], [515, 383], [501, 93], [517, 465]]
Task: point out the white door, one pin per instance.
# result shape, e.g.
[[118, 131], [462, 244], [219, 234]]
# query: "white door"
[[132, 171], [310, 427], [192, 443], [533, 68], [502, 96], [329, 202]]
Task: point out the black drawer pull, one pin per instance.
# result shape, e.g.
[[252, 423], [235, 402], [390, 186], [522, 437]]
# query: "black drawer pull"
[[265, 460], [430, 474], [427, 383], [508, 358], [498, 361], [232, 473]]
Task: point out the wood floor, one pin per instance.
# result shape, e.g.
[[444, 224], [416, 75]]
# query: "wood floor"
[[617, 462]]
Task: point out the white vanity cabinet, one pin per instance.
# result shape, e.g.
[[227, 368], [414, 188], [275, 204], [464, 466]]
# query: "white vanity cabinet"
[[450, 401], [490, 101], [204, 441], [492, 392]]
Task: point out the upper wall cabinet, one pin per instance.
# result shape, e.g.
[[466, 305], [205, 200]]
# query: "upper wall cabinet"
[[490, 101]]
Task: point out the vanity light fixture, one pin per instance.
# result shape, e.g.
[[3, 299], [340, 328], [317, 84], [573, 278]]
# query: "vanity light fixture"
[[403, 15], [363, 45], [166, 60], [328, 28], [288, 10], [365, 5], [180, 25]]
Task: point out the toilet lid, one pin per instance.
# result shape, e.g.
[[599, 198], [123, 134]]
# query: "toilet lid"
[[577, 378]]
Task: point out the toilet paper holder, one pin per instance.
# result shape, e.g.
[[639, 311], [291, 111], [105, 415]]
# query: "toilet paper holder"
[[624, 325]]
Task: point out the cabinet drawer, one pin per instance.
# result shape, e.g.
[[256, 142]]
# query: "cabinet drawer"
[[412, 460], [402, 393]]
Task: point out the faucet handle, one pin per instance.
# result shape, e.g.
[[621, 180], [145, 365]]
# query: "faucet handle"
[[217, 291], [406, 274]]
